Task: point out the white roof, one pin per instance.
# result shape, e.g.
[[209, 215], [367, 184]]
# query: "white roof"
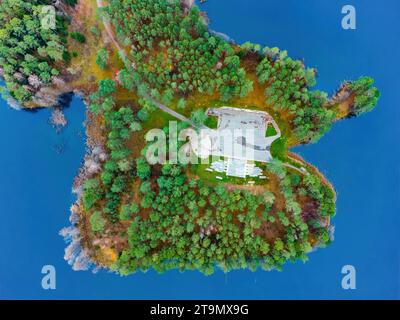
[[240, 135]]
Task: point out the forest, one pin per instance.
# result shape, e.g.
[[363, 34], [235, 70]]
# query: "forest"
[[194, 226], [169, 219], [175, 56], [185, 223], [167, 216], [32, 54], [288, 83], [173, 51]]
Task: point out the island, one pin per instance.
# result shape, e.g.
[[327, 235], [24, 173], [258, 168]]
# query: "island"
[[149, 70]]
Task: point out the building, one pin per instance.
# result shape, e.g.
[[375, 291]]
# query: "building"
[[239, 141]]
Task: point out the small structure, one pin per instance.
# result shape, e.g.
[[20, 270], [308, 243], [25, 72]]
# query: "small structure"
[[240, 140]]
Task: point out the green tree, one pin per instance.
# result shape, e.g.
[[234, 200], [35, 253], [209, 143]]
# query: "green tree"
[[97, 222], [102, 58], [78, 37], [107, 87], [143, 168]]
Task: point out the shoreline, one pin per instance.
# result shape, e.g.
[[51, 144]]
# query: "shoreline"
[[79, 252], [79, 235], [91, 143]]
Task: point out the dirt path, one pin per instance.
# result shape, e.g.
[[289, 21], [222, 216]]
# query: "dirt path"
[[108, 27]]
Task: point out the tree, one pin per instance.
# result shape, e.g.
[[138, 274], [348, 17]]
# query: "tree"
[[124, 165], [102, 58], [167, 96], [91, 193], [181, 103], [107, 87], [95, 108], [366, 96], [72, 3], [143, 169], [54, 50], [279, 245], [97, 222], [127, 79], [143, 115], [135, 126], [126, 213], [118, 184], [29, 55], [198, 117], [78, 37], [107, 177]]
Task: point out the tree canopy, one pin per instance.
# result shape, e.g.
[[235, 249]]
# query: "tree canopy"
[[30, 53]]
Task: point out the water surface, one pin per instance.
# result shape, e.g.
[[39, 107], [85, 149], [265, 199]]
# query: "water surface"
[[359, 156]]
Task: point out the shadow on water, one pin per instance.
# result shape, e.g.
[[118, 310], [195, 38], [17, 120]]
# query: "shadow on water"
[[64, 102]]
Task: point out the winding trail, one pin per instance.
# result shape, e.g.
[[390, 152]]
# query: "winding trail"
[[109, 29]]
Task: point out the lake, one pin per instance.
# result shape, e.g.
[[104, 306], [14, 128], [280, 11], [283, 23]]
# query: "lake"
[[359, 156]]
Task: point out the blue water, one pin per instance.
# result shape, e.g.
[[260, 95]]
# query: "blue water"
[[360, 157]]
